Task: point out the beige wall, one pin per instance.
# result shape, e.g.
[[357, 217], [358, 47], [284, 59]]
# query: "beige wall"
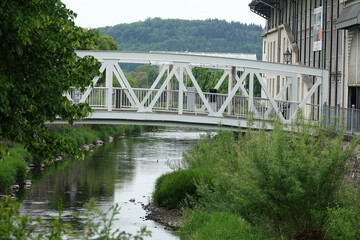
[[277, 42], [299, 39]]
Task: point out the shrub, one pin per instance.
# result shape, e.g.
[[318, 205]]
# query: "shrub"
[[290, 178], [343, 223], [20, 152], [217, 225], [7, 177], [13, 168], [172, 188], [210, 151], [19, 166], [344, 219]]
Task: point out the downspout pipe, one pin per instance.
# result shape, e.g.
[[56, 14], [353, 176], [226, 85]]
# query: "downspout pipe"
[[337, 54], [331, 48]]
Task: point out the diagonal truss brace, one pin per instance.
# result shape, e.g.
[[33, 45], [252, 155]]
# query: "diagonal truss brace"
[[268, 94], [153, 86], [125, 84], [95, 80], [238, 85]]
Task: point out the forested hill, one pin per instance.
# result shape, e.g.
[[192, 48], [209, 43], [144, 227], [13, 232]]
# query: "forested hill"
[[180, 35]]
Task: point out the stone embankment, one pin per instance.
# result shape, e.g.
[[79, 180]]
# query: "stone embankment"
[[172, 219]]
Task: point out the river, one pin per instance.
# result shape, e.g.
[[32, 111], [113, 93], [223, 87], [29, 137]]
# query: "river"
[[114, 173]]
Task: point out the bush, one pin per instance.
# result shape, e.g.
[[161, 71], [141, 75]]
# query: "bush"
[[20, 152], [217, 225], [13, 168], [19, 166], [344, 219], [211, 151], [290, 178], [343, 223], [282, 181], [172, 188], [7, 177]]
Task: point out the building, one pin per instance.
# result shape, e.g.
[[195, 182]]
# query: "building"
[[317, 33]]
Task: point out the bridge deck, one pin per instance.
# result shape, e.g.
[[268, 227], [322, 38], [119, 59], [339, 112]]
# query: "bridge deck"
[[175, 97]]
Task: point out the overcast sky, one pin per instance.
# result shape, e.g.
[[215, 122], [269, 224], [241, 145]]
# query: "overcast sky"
[[101, 13]]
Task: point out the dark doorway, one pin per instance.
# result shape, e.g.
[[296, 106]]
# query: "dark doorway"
[[354, 97]]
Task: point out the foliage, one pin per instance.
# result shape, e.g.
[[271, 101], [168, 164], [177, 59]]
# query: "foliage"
[[343, 223], [13, 168], [143, 77], [207, 79], [7, 177], [12, 225], [171, 189], [19, 152], [105, 42], [217, 225], [211, 35], [284, 182], [292, 184], [344, 218], [37, 65], [13, 164], [78, 136], [97, 225], [211, 151]]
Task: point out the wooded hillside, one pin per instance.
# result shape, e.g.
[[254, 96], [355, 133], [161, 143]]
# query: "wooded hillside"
[[184, 35]]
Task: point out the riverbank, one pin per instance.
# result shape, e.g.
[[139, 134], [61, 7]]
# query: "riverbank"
[[254, 186], [123, 173], [17, 161], [172, 219]]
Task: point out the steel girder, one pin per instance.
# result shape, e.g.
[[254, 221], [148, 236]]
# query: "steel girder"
[[176, 65]]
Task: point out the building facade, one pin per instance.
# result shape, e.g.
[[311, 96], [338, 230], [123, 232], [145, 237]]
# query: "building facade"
[[315, 33]]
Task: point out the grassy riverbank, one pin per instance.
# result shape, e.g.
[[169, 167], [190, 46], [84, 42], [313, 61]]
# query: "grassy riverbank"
[[265, 185], [13, 164]]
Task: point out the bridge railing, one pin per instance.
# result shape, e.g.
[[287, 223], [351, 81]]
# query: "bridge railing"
[[337, 116], [192, 103], [284, 88]]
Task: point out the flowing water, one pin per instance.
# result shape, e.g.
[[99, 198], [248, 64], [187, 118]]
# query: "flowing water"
[[114, 173]]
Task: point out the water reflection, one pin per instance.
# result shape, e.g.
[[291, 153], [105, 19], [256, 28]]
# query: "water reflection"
[[113, 174]]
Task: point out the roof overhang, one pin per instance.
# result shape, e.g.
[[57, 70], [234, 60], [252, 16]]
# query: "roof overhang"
[[349, 17], [263, 7]]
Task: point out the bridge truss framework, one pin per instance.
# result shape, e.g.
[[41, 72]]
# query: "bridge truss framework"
[[187, 104]]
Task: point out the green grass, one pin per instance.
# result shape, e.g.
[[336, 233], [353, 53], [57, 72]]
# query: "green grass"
[[217, 225], [13, 168], [171, 189], [285, 183]]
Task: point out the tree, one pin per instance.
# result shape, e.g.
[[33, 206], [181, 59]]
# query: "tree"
[[290, 179], [106, 42], [180, 35], [37, 66]]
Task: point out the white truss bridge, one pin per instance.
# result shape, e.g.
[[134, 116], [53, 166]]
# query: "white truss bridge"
[[176, 99]]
